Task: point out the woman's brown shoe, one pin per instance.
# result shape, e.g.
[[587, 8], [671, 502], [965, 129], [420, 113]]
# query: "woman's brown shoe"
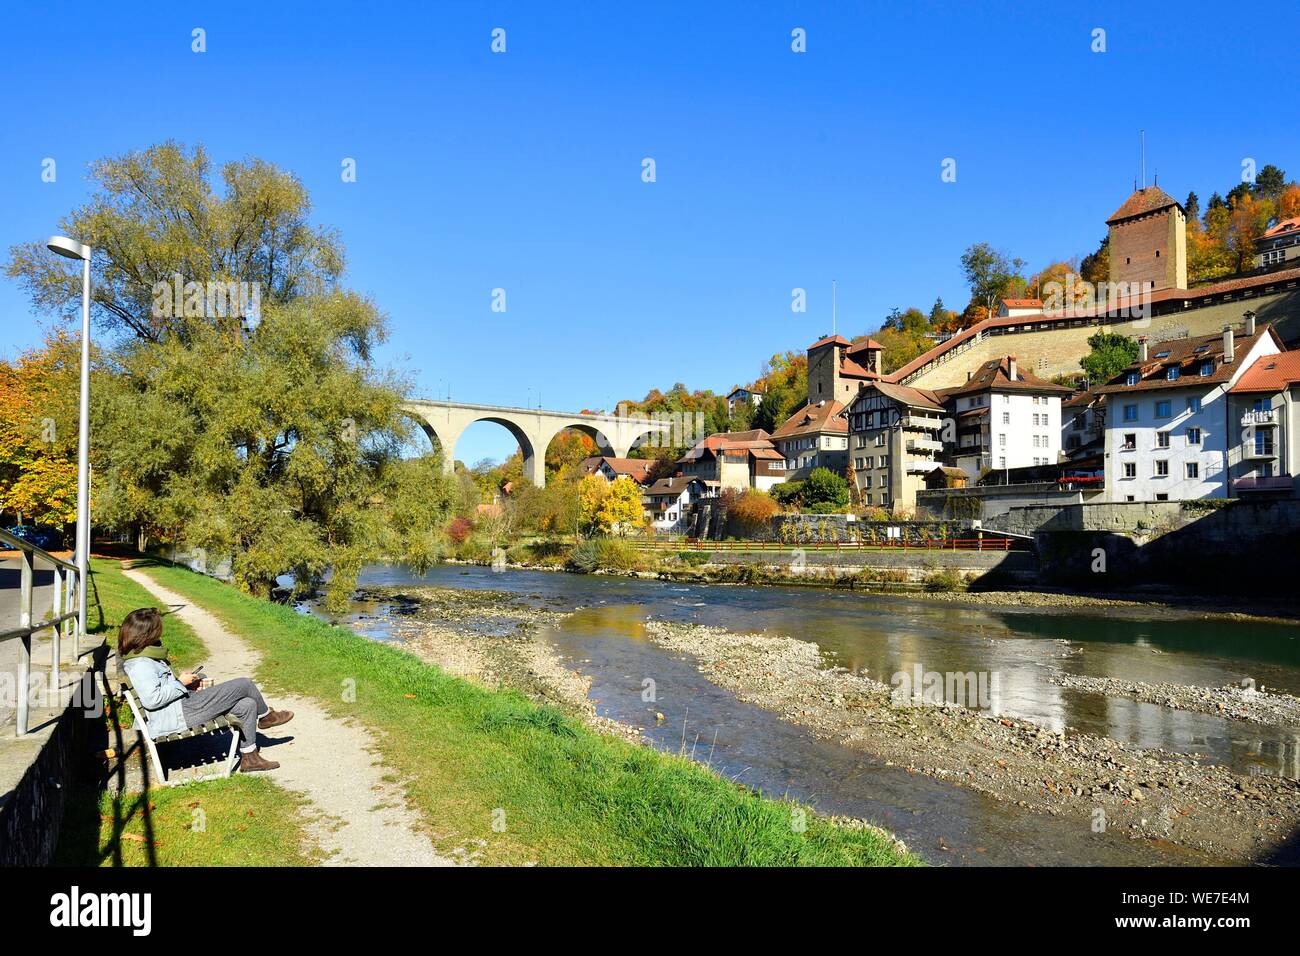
[[253, 760], [274, 719]]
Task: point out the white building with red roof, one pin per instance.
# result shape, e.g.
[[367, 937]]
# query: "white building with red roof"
[[1264, 415], [1170, 428]]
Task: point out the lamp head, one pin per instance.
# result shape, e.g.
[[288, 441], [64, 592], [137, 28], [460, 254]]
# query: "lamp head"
[[69, 248]]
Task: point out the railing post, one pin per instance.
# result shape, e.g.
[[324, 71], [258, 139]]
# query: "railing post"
[[56, 610], [25, 652], [70, 580]]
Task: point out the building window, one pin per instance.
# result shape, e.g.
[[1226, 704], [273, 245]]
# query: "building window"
[[1193, 436], [1002, 439], [1128, 498], [1194, 405], [1172, 373], [1002, 463], [1207, 367], [1162, 439], [1193, 470], [1130, 413], [1162, 468], [1132, 378], [1130, 441], [1163, 408], [1006, 418], [1130, 469], [867, 482], [1163, 496]]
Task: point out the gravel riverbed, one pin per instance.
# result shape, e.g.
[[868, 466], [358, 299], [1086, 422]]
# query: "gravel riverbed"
[[1145, 793]]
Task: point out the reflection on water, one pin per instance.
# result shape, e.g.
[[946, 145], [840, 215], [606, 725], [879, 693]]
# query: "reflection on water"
[[886, 634]]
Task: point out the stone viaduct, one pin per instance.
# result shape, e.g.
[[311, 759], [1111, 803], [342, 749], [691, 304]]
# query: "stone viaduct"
[[533, 428]]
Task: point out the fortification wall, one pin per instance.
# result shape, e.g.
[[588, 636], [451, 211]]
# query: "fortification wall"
[[1058, 351]]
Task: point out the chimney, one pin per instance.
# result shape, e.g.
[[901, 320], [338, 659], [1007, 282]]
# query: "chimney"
[[1143, 351], [1228, 352], [1250, 322], [1011, 367]]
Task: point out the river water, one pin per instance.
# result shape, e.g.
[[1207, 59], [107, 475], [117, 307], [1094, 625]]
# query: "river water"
[[605, 639]]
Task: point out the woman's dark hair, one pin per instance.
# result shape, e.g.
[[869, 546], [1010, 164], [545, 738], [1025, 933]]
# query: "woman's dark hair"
[[142, 628]]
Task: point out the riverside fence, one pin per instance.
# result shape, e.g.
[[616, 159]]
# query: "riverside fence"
[[986, 543], [62, 621]]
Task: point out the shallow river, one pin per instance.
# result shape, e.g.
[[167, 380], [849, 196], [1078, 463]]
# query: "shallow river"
[[605, 640]]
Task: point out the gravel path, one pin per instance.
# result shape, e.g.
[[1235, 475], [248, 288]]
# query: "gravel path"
[[357, 819]]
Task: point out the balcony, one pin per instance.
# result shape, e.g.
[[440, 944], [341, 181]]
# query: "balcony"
[[924, 444], [921, 421], [1274, 483], [1266, 416], [921, 466], [1255, 452]]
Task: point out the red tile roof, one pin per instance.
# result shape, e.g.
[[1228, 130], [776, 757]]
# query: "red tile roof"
[[1148, 199], [635, 468], [825, 417], [829, 339], [1023, 303], [1270, 373], [905, 394], [1188, 354], [866, 344], [996, 375], [1286, 225]]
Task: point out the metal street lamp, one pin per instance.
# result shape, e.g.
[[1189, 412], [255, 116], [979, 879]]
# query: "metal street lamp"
[[72, 249]]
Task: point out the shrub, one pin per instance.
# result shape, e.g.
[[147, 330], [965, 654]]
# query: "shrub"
[[608, 553], [824, 487], [787, 493], [458, 530], [752, 512], [945, 580]]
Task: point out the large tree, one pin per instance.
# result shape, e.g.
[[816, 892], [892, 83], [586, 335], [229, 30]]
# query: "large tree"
[[991, 275], [1110, 353], [276, 450]]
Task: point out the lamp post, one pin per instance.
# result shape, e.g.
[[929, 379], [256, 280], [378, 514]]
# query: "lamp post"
[[72, 249]]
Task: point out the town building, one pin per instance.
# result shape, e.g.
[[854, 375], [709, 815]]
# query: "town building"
[[743, 396], [1005, 417], [837, 368], [816, 436], [738, 460], [668, 502], [1148, 241], [638, 469], [1168, 422], [1279, 245], [1083, 427], [1013, 307], [1263, 414], [895, 442]]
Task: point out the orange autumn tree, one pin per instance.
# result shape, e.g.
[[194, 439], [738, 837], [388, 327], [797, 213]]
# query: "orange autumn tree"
[[38, 432]]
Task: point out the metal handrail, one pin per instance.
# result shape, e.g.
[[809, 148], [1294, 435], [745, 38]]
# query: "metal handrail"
[[67, 581]]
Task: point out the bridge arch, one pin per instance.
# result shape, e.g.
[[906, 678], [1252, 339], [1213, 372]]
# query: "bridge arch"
[[532, 428]]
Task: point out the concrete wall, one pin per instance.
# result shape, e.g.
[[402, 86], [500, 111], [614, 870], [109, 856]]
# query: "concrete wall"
[[986, 569], [1244, 547]]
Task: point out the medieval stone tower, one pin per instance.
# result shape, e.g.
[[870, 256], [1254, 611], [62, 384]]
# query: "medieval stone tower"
[[1148, 241]]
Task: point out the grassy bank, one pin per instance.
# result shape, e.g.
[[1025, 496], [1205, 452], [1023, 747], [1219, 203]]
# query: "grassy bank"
[[243, 821], [113, 596], [492, 772]]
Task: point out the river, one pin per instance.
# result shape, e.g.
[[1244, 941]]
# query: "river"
[[605, 639]]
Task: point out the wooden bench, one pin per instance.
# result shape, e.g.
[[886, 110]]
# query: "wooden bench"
[[217, 725]]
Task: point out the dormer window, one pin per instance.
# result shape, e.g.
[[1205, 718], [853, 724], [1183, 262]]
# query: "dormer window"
[[1172, 373], [1207, 367], [1132, 378]]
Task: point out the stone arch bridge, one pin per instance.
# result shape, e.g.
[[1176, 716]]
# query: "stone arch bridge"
[[533, 428]]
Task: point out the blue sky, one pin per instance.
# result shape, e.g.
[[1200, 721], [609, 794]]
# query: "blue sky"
[[775, 170]]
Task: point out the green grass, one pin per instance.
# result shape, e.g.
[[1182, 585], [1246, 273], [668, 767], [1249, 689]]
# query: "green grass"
[[532, 784], [113, 596], [241, 821]]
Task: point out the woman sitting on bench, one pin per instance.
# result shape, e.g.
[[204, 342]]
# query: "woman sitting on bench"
[[176, 704]]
